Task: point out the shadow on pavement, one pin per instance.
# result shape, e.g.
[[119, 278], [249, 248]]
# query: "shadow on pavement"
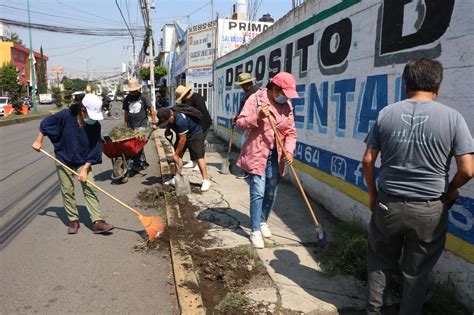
[[104, 176], [61, 215], [228, 218]]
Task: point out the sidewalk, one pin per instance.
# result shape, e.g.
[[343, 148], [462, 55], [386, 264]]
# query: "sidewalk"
[[290, 257]]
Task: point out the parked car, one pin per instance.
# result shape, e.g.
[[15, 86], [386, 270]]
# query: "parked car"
[[118, 98], [46, 98], [3, 102]]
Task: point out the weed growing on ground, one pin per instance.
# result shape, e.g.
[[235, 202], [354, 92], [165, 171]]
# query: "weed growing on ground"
[[444, 300], [232, 301], [146, 246], [251, 256], [347, 251]]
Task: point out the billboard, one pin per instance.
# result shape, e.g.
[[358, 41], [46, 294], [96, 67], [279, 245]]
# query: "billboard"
[[235, 33], [348, 57]]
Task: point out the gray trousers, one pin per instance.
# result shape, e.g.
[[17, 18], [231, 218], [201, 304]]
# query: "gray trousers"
[[412, 230]]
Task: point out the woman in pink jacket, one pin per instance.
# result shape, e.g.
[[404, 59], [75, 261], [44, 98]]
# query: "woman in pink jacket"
[[260, 155]]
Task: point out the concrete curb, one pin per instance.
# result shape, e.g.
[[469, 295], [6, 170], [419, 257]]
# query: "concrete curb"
[[23, 119], [190, 301]]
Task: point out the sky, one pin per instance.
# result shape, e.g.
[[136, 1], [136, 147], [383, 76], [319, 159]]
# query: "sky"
[[104, 55]]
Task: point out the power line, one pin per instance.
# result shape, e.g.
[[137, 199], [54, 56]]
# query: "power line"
[[47, 14], [88, 13], [83, 48], [68, 30]]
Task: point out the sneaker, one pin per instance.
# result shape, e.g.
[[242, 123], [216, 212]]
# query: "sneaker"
[[73, 227], [242, 175], [257, 240], [190, 164], [170, 182], [265, 230], [100, 226], [206, 185]]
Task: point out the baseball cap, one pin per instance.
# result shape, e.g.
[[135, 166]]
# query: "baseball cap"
[[93, 105], [163, 115], [287, 83]]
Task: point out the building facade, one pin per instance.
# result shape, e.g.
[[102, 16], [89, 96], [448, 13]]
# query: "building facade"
[[19, 55]]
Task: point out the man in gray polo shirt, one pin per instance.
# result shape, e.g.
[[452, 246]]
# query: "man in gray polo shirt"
[[417, 139]]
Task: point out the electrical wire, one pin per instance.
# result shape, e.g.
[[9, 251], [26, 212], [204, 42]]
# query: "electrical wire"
[[83, 48], [68, 30], [89, 13]]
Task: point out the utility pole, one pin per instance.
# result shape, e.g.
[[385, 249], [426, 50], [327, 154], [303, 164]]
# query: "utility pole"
[[32, 66], [151, 56]]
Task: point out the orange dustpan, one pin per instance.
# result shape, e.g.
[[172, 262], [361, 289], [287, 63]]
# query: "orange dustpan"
[[154, 225]]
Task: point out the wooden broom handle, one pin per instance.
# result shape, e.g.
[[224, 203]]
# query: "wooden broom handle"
[[285, 153], [138, 214], [230, 141]]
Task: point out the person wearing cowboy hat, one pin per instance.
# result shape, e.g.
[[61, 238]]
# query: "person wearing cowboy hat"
[[260, 155], [136, 107], [185, 95], [75, 134], [246, 83]]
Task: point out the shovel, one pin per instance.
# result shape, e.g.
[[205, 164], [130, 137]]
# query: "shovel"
[[181, 182], [154, 225], [225, 161], [322, 241]]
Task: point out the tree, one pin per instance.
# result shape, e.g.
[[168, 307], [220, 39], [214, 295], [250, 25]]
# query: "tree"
[[79, 84], [58, 98], [41, 75], [159, 73], [9, 84], [14, 37], [105, 90], [68, 90]]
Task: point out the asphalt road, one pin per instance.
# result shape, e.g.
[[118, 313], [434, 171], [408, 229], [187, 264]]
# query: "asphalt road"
[[44, 270]]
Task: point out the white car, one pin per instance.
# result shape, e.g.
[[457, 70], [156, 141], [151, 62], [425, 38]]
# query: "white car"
[[3, 102]]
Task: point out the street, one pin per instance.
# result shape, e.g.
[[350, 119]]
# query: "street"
[[45, 270]]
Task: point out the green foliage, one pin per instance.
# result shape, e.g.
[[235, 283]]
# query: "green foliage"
[[232, 301], [9, 84], [42, 88], [58, 97], [78, 84], [159, 72], [68, 90], [347, 252], [444, 300], [94, 88], [105, 90], [118, 91], [14, 37]]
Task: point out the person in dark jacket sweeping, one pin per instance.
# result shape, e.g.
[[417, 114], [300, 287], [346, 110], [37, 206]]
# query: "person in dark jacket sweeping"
[[75, 134]]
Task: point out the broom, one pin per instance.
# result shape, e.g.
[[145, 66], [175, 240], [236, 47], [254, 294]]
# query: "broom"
[[322, 241], [154, 225]]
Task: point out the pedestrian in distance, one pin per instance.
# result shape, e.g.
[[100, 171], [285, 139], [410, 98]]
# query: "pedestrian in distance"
[[185, 95], [75, 134], [186, 124], [416, 138], [260, 156], [136, 108], [248, 86]]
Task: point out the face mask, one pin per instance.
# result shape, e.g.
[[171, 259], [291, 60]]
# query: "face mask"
[[281, 99], [89, 121]]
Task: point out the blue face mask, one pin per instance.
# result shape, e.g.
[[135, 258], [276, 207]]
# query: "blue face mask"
[[281, 99], [89, 121]]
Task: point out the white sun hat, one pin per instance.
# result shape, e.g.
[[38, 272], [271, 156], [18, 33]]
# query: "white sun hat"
[[93, 105]]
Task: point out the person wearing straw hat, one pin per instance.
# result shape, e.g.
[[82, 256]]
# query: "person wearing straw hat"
[[260, 155], [136, 107], [185, 95], [246, 83], [75, 134]]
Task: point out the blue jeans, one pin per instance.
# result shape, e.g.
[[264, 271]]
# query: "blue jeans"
[[263, 191]]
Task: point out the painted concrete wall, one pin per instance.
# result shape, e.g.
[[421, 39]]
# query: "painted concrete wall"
[[348, 57]]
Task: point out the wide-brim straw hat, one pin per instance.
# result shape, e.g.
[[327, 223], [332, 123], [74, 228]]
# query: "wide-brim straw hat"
[[244, 77], [133, 85], [182, 90]]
